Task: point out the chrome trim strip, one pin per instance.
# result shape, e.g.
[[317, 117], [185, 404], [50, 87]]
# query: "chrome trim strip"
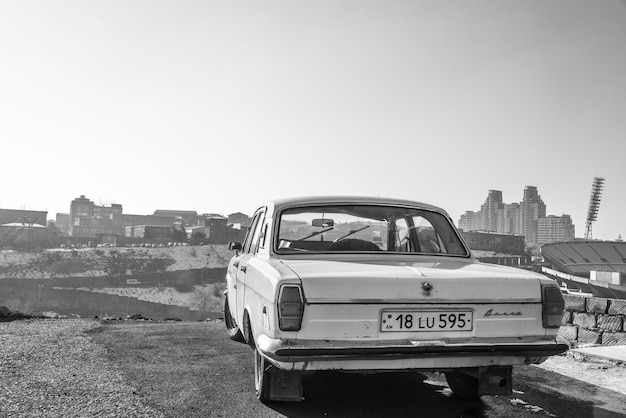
[[309, 350], [461, 303], [298, 354]]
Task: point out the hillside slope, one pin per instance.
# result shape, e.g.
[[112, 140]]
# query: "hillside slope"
[[109, 261]]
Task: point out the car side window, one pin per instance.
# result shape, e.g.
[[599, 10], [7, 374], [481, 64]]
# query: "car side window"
[[247, 242], [402, 236], [263, 237], [427, 237], [257, 233]]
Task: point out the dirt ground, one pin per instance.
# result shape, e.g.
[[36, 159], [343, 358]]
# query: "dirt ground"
[[217, 376], [81, 367], [603, 373]]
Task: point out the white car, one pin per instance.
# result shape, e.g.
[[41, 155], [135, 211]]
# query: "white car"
[[312, 287]]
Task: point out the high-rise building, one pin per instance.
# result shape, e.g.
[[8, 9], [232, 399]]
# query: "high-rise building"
[[553, 229], [470, 221], [533, 208], [489, 211], [511, 219]]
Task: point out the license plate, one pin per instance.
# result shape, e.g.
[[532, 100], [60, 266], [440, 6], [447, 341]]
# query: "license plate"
[[426, 321]]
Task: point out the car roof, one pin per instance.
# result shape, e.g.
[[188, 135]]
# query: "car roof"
[[278, 204]]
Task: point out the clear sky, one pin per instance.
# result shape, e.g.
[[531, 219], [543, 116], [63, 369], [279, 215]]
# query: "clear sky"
[[217, 106]]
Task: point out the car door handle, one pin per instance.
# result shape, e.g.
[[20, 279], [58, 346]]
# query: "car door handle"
[[244, 268], [236, 264]]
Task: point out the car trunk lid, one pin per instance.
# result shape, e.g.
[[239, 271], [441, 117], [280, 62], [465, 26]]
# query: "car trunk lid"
[[432, 280]]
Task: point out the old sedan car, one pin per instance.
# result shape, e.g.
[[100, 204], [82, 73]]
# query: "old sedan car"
[[373, 284]]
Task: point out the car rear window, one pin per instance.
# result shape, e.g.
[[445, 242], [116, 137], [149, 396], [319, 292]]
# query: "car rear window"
[[366, 228]]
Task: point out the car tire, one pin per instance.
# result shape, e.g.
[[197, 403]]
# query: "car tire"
[[262, 375], [463, 385], [231, 327], [248, 336]]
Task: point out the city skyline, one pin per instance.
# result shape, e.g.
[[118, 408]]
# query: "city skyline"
[[493, 200], [220, 106], [528, 218]]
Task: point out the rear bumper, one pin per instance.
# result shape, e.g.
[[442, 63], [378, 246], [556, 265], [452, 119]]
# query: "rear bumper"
[[400, 355]]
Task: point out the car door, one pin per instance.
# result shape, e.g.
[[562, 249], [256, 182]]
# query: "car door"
[[248, 250]]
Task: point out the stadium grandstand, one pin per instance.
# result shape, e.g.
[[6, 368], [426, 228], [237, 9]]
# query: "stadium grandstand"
[[597, 267]]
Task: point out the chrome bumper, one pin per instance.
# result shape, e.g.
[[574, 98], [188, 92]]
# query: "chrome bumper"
[[397, 355]]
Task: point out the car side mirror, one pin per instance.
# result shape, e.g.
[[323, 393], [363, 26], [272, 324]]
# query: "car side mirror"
[[234, 246]]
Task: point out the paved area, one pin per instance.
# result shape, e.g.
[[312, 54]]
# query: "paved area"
[[613, 353]]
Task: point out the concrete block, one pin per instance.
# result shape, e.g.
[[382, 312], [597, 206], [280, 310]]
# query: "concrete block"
[[567, 318], [585, 320], [617, 307], [569, 332], [574, 303], [614, 338], [597, 305], [589, 336], [611, 322]]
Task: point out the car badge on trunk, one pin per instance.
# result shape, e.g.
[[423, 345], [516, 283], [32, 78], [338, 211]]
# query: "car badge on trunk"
[[427, 287]]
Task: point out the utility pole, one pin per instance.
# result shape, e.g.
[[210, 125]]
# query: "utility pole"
[[39, 296]]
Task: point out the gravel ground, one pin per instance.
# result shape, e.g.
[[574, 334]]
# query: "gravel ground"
[[49, 368]]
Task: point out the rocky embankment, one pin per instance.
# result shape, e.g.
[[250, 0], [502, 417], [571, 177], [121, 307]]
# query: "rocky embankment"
[[115, 280], [109, 261]]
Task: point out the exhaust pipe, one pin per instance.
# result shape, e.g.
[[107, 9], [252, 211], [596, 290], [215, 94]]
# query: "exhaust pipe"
[[496, 380]]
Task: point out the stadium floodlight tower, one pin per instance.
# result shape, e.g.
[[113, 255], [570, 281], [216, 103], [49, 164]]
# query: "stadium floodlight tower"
[[594, 204]]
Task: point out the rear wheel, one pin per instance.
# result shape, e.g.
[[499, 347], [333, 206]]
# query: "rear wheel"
[[463, 385], [262, 376], [231, 326]]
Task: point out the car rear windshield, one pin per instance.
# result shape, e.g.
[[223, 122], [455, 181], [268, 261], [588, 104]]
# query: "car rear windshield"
[[366, 228]]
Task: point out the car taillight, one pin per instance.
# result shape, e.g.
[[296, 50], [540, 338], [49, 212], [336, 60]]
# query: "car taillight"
[[290, 308], [553, 305]]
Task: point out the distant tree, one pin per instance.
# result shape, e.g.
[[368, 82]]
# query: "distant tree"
[[207, 298], [179, 234], [197, 238]]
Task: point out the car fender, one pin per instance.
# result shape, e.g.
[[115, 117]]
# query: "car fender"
[[262, 284]]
